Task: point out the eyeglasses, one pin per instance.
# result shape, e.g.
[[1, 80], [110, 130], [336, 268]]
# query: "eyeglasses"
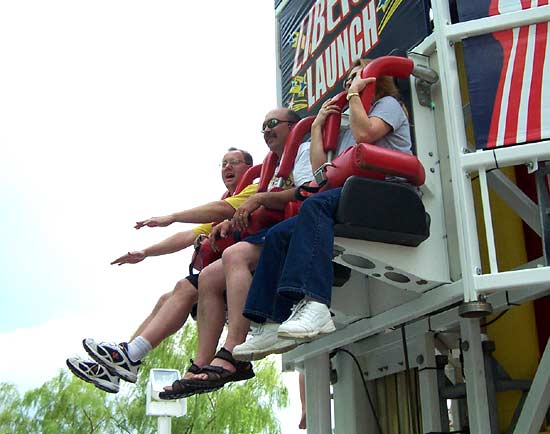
[[350, 78], [233, 162], [272, 123]]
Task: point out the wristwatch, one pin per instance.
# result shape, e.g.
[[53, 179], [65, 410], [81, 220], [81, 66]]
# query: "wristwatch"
[[349, 95]]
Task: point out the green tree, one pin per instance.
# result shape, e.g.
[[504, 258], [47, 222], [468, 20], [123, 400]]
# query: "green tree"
[[66, 404]]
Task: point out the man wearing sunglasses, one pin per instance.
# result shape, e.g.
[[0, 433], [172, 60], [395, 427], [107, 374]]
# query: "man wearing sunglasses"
[[172, 308], [123, 360], [233, 273]]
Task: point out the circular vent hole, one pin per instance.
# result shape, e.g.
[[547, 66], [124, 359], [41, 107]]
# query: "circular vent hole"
[[358, 261]]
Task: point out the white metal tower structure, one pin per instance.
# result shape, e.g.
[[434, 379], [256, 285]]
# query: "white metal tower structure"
[[404, 307]]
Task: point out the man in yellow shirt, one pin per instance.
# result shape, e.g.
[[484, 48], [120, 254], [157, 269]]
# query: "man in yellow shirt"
[[172, 308]]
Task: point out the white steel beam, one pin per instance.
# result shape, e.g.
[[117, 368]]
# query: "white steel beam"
[[506, 156], [470, 260], [357, 332], [483, 26], [513, 280], [538, 399], [426, 303], [515, 199], [427, 379], [317, 373], [474, 373], [352, 412]]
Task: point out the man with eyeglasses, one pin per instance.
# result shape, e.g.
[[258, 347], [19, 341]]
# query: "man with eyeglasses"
[[233, 273], [172, 308], [123, 360]]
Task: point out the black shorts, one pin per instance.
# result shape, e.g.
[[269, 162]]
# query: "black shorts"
[[194, 280]]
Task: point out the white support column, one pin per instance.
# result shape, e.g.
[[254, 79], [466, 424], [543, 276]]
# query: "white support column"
[[474, 372], [456, 138], [538, 399], [427, 378], [317, 372], [352, 414], [455, 376], [164, 425], [516, 199]]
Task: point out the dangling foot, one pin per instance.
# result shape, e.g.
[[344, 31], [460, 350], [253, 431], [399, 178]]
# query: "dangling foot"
[[179, 389], [94, 373], [114, 357], [302, 424], [223, 369]]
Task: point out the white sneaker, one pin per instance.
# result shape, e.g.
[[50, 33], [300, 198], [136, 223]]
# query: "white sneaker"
[[114, 357], [94, 373], [263, 341], [307, 320]]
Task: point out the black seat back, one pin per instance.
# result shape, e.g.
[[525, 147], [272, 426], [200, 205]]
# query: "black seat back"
[[387, 212]]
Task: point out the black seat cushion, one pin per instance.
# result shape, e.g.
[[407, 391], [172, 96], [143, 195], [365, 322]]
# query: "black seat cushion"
[[382, 211]]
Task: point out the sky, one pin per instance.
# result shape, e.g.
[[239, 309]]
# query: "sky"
[[113, 111]]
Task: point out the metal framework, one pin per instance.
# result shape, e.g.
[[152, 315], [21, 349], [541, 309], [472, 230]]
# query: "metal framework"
[[426, 321]]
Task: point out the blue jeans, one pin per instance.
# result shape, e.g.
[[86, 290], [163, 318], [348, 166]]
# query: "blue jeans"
[[296, 261]]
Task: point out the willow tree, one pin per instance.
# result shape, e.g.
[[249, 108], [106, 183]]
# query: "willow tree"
[[66, 404]]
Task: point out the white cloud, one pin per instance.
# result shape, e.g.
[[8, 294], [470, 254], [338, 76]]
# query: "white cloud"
[[34, 355]]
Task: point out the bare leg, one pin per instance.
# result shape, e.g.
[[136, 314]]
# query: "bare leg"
[[238, 262], [163, 298], [172, 314], [301, 381], [211, 312]]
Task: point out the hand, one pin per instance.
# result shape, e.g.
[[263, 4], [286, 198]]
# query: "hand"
[[130, 258], [240, 218], [155, 221], [221, 230], [326, 109], [358, 83]]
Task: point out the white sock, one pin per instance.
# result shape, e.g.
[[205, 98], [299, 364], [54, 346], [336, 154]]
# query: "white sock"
[[138, 348]]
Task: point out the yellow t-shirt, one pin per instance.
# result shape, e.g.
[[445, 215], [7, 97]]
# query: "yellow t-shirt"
[[234, 201]]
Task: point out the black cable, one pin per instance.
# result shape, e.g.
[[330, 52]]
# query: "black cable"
[[487, 171], [461, 358], [496, 161], [494, 320], [508, 300], [364, 385]]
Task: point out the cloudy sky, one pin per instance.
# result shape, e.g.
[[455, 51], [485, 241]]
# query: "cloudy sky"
[[111, 112]]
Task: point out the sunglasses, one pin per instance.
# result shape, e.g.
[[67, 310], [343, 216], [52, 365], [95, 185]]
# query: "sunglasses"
[[272, 123], [234, 162], [350, 78]]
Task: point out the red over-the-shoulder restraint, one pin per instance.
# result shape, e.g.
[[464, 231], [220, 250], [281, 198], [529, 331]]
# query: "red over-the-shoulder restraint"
[[363, 159], [262, 217]]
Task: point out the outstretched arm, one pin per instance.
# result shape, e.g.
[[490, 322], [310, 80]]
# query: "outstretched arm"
[[211, 212], [175, 243]]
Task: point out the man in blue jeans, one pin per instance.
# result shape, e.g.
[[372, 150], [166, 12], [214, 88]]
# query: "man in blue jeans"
[[295, 267]]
